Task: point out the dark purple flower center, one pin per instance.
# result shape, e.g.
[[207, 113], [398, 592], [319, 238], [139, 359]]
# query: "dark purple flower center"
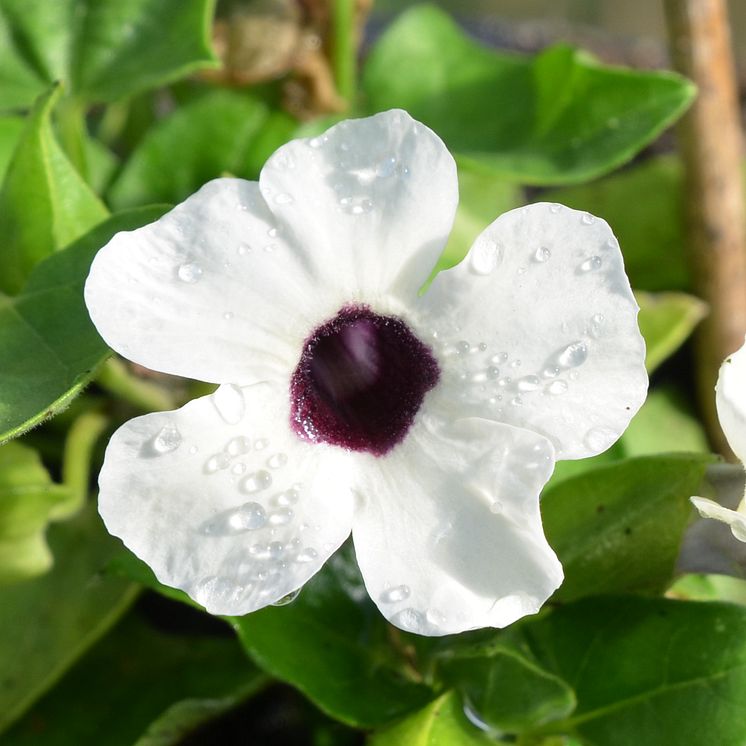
[[360, 381]]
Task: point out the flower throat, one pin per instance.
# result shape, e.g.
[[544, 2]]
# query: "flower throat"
[[360, 381]]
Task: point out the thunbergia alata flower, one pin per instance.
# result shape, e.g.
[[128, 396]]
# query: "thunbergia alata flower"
[[730, 400], [425, 424]]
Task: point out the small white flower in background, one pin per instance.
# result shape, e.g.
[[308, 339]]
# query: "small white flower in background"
[[426, 425], [730, 399]]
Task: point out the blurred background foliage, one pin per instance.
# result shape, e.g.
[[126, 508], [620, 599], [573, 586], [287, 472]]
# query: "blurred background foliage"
[[113, 110]]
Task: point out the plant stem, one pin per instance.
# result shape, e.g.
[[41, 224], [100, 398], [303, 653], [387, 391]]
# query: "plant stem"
[[344, 48], [709, 138], [117, 379], [76, 460]]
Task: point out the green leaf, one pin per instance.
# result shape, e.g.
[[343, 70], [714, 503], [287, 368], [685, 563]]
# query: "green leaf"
[[49, 622], [49, 349], [198, 142], [29, 499], [506, 690], [618, 528], [335, 649], [644, 207], [102, 49], [482, 198], [647, 672], [44, 203], [666, 321], [665, 423], [560, 117], [130, 678], [440, 723], [10, 131]]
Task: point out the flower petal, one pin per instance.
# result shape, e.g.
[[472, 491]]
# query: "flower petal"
[[222, 500], [730, 397], [538, 328], [210, 291], [448, 532], [372, 200], [736, 519]]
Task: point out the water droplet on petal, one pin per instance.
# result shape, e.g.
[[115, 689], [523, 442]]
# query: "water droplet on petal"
[[249, 517], [189, 273], [598, 439], [386, 167], [485, 256], [277, 461], [243, 249], [306, 555], [410, 620], [260, 444], [555, 208], [542, 254], [573, 355], [217, 462], [229, 402], [557, 387], [238, 469], [591, 265], [528, 383], [281, 517], [238, 446], [598, 322], [167, 439], [463, 347], [288, 598], [395, 594], [256, 481], [587, 219]]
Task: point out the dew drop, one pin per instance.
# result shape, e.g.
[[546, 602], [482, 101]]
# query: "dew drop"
[[395, 594], [288, 598], [493, 372], [516, 401], [277, 460], [238, 446], [557, 387], [229, 402], [289, 497], [599, 438], [228, 315], [217, 462], [597, 325], [256, 481], [386, 167], [238, 469], [189, 273], [485, 256], [528, 383], [587, 219], [275, 549], [281, 517], [551, 371], [591, 265], [193, 450], [243, 249], [501, 357], [167, 439], [410, 620], [272, 232], [249, 517], [260, 444], [555, 208], [542, 254], [463, 347], [573, 355], [306, 555]]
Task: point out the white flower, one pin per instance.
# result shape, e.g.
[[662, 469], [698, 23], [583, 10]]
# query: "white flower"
[[730, 399], [426, 425]]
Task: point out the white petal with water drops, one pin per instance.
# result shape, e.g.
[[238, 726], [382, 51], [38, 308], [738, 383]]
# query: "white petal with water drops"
[[373, 203], [466, 547], [184, 295], [229, 541], [569, 320]]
